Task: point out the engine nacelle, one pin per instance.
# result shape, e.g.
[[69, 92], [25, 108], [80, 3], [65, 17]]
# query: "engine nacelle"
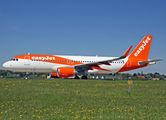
[[54, 75], [65, 72]]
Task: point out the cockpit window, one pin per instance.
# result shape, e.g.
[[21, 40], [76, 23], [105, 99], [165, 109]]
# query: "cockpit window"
[[16, 59]]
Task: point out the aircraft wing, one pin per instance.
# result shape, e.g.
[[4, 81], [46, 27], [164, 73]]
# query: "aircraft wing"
[[106, 62]]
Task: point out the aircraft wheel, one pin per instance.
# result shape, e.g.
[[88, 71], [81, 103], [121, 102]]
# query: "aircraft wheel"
[[76, 77], [84, 77]]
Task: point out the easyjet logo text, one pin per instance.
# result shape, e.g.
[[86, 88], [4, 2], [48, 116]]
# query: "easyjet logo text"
[[43, 58], [142, 47]]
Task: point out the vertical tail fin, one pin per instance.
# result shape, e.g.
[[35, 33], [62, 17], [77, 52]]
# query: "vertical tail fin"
[[142, 49]]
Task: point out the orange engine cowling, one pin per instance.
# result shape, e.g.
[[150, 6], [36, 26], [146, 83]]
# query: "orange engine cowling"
[[54, 75], [65, 72]]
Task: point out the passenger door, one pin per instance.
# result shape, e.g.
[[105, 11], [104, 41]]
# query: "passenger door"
[[27, 60]]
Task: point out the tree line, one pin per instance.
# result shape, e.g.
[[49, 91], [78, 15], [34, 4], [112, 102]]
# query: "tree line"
[[11, 74]]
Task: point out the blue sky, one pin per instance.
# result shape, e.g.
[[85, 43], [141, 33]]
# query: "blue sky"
[[82, 27]]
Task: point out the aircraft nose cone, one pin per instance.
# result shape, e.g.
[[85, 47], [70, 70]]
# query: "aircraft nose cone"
[[6, 65]]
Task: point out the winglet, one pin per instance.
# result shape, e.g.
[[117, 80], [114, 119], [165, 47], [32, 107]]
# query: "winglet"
[[127, 52]]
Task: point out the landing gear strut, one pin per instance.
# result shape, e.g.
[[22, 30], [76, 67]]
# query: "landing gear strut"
[[26, 75]]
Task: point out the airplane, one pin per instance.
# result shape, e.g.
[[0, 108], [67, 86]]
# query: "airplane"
[[62, 66]]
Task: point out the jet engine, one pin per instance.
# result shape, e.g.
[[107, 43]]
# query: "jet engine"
[[65, 72]]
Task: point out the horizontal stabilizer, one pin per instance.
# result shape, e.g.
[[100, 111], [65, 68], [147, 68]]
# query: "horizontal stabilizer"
[[150, 61]]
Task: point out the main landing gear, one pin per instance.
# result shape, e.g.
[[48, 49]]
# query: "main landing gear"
[[76, 77], [83, 77]]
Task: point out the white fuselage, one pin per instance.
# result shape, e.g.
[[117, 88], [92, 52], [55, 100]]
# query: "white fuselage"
[[24, 65]]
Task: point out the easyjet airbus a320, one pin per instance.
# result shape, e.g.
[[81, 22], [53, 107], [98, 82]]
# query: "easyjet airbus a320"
[[72, 66]]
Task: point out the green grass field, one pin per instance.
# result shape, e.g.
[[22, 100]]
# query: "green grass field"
[[68, 99]]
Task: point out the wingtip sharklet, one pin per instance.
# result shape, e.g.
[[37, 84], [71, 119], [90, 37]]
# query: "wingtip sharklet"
[[127, 52]]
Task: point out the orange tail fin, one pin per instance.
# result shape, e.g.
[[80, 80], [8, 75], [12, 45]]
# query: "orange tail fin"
[[142, 50]]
